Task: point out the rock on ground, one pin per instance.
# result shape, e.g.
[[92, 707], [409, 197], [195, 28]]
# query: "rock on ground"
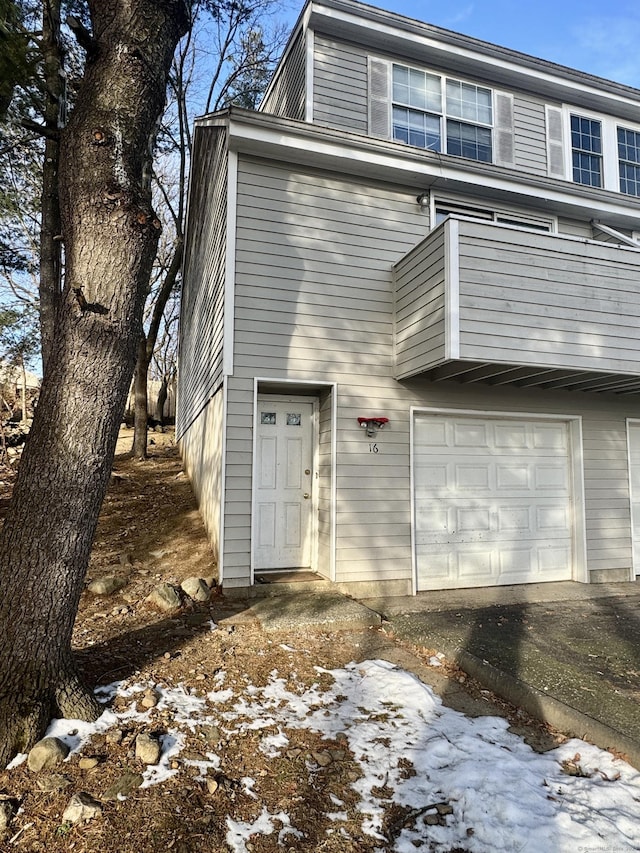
[[47, 753], [81, 807]]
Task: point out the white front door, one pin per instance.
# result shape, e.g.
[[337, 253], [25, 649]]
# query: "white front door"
[[493, 501], [283, 481]]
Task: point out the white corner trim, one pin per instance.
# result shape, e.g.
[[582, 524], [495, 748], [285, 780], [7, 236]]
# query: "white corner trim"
[[230, 264], [309, 76], [580, 566], [254, 446], [412, 497], [635, 532], [334, 482], [452, 288], [223, 483]]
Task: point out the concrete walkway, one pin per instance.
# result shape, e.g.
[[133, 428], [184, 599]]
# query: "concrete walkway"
[[568, 653]]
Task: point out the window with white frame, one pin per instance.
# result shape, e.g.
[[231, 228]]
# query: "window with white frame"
[[586, 150], [629, 160], [442, 114], [603, 152]]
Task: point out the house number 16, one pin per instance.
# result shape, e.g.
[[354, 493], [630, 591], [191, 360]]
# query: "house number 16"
[[373, 448]]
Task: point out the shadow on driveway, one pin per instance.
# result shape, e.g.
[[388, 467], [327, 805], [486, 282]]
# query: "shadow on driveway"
[[574, 663]]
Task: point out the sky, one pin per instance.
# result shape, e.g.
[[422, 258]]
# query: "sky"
[[504, 797], [601, 38]]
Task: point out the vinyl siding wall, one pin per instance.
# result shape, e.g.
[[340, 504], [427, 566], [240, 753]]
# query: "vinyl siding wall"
[[535, 299], [530, 135], [340, 85], [202, 308], [238, 459], [201, 449], [522, 298], [314, 295], [313, 303], [419, 307], [287, 96]]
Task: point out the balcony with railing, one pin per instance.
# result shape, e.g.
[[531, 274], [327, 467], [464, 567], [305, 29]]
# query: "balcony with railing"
[[477, 301]]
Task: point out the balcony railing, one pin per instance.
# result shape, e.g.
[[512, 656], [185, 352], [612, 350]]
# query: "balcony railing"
[[479, 301]]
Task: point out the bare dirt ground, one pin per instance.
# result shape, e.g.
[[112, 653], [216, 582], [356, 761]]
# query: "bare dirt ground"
[[150, 531]]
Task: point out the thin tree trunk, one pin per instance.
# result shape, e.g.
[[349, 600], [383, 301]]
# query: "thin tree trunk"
[[50, 243], [140, 402], [161, 399], [145, 353], [23, 400], [110, 235]]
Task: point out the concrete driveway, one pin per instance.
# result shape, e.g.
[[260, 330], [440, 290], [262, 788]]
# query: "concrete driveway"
[[567, 653]]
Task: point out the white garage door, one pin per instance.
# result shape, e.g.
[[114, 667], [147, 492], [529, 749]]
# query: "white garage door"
[[492, 501]]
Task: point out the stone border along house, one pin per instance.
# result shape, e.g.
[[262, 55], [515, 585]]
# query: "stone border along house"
[[409, 337]]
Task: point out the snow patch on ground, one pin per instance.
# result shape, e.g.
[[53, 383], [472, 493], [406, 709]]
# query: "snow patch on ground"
[[504, 796]]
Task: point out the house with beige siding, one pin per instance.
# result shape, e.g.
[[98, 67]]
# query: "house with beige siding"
[[409, 351]]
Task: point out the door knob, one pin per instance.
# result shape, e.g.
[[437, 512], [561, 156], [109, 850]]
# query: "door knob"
[[306, 496]]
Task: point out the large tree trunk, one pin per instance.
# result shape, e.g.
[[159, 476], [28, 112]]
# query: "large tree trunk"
[[110, 236]]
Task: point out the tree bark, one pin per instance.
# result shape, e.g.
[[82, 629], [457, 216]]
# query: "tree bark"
[[110, 235], [50, 243], [23, 393], [161, 399], [140, 401]]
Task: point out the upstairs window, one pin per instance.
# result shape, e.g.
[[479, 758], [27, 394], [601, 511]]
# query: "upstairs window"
[[417, 106], [595, 150], [586, 150], [629, 160], [463, 118], [471, 135]]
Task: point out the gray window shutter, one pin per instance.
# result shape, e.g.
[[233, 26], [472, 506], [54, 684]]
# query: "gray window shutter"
[[379, 98], [504, 154], [555, 143]]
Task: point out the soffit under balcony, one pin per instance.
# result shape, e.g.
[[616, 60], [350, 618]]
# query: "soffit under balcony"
[[516, 376]]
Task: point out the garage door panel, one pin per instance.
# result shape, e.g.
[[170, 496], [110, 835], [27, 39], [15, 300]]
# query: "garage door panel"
[[516, 561], [430, 476], [552, 561], [511, 436], [504, 517], [551, 436], [553, 518], [513, 477], [441, 567], [470, 477], [436, 521], [434, 433], [475, 566], [514, 518], [473, 434], [474, 520]]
